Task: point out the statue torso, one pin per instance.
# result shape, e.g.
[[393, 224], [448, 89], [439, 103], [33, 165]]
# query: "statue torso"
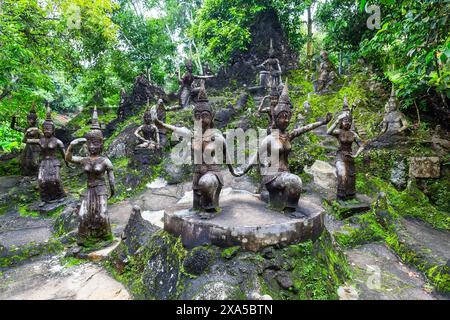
[[49, 147], [95, 170], [148, 131], [393, 121]]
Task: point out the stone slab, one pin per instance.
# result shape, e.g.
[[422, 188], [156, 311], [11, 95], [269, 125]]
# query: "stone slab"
[[424, 167], [349, 208], [245, 221]]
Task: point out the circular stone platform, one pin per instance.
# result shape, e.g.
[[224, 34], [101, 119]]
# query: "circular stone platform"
[[244, 221]]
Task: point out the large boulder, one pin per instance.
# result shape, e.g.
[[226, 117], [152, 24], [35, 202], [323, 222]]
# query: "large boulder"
[[324, 174]]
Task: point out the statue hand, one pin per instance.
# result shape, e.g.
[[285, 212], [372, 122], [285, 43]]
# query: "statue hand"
[[78, 141]]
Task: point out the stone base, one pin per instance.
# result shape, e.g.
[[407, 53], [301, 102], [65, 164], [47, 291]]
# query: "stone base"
[[47, 208], [245, 221], [142, 157], [361, 204]]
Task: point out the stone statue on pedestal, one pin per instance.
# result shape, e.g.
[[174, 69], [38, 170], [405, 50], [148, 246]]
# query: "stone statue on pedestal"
[[49, 177], [148, 133], [94, 219], [29, 159], [327, 75], [272, 65], [207, 181], [341, 129], [284, 187], [394, 121]]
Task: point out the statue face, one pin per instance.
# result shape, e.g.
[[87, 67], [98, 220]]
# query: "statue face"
[[346, 124], [205, 117], [282, 120], [324, 55], [48, 130], [391, 105], [32, 121], [95, 146], [147, 119]]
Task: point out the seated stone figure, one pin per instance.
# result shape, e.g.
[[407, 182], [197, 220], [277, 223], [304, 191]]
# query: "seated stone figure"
[[204, 140], [327, 75], [148, 133], [272, 65], [284, 187]]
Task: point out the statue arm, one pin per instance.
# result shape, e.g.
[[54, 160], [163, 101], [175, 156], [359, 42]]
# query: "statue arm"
[[203, 77], [278, 66], [62, 151], [156, 135], [263, 64], [69, 157], [404, 123], [111, 179], [297, 132], [32, 141], [360, 143], [138, 135], [384, 126], [14, 127], [178, 130], [332, 130], [261, 108]]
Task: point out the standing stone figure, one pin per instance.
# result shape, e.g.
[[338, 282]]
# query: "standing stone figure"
[[345, 163], [49, 178], [327, 75], [207, 179], [272, 65], [273, 96], [186, 82], [284, 187], [29, 159], [148, 133], [394, 122], [94, 219]]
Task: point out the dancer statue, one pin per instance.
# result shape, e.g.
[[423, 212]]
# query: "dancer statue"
[[94, 220], [207, 181], [186, 89], [341, 129], [49, 177], [284, 187], [273, 96], [29, 159]]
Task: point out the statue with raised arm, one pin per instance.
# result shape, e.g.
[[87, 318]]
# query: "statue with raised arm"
[[394, 121], [327, 75], [49, 177], [29, 159], [273, 96], [272, 65], [93, 213], [284, 187], [205, 140], [148, 133], [341, 129], [186, 82]]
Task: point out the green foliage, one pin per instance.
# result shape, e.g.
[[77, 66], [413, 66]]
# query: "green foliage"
[[229, 253]]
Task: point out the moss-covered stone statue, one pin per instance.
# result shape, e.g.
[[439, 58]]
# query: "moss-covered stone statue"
[[49, 177], [148, 133], [93, 214], [29, 159], [284, 187], [341, 129], [273, 96], [207, 179], [272, 65], [327, 75], [186, 83]]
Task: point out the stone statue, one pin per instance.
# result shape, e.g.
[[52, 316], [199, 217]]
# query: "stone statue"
[[272, 65], [186, 83], [148, 133], [327, 75], [207, 179], [94, 219], [49, 178], [394, 122], [29, 159], [345, 163], [284, 187], [273, 96], [121, 110]]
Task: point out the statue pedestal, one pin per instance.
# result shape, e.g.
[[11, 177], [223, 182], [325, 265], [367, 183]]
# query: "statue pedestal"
[[244, 221], [348, 208], [143, 157]]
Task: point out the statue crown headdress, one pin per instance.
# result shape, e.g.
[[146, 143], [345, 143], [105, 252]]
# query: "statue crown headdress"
[[284, 102], [95, 125], [202, 103]]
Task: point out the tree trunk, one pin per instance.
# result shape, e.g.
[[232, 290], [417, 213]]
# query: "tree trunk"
[[309, 47]]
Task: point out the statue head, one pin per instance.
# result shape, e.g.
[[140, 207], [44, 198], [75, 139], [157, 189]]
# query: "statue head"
[[345, 106], [95, 136], [283, 112], [346, 123], [32, 116], [202, 109], [324, 55], [189, 65], [48, 127], [148, 114], [392, 104]]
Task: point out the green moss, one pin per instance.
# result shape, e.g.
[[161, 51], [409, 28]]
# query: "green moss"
[[69, 262], [10, 167], [24, 212], [229, 253]]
